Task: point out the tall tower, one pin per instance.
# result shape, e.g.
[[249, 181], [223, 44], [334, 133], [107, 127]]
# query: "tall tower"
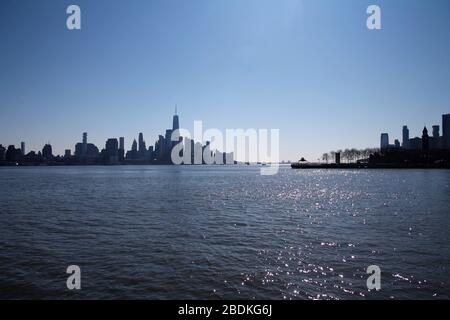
[[122, 143], [84, 149], [176, 122], [425, 139], [405, 140], [142, 147], [121, 149], [22, 148]]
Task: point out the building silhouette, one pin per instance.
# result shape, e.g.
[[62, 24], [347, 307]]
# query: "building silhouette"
[[405, 134], [425, 142], [47, 152], [175, 122], [121, 149], [12, 154], [112, 151], [142, 147], [2, 153], [86, 153], [436, 132], [84, 149], [122, 143], [446, 131], [384, 141], [425, 139]]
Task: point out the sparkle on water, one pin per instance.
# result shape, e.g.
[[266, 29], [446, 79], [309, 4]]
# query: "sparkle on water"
[[223, 232]]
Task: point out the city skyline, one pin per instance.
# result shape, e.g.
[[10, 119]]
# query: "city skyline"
[[258, 65], [115, 151]]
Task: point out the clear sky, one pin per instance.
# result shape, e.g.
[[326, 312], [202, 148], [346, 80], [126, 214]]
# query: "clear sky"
[[310, 68]]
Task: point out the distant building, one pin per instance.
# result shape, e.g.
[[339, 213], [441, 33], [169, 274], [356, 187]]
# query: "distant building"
[[425, 139], [384, 143], [405, 140], [112, 151], [142, 146], [133, 154], [22, 148], [122, 143], [2, 153], [435, 140], [176, 122], [92, 150], [168, 138], [415, 144], [67, 153], [47, 152], [446, 131], [436, 132], [84, 146], [121, 149], [396, 144], [150, 153], [12, 154]]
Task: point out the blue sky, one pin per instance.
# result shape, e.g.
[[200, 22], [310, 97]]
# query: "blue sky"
[[310, 68]]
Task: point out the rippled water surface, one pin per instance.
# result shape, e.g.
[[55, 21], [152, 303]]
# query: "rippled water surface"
[[223, 232]]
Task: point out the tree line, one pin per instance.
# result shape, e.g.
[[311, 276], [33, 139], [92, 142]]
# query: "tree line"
[[349, 155]]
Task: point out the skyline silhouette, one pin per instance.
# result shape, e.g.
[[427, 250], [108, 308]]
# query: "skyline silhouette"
[[262, 64]]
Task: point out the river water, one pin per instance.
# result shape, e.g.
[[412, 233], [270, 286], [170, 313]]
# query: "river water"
[[200, 232]]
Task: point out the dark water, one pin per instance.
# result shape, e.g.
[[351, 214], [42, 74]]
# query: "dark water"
[[223, 232]]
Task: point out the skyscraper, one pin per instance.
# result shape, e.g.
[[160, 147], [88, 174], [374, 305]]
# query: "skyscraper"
[[22, 148], [175, 137], [112, 151], [384, 141], [176, 122], [405, 140], [142, 147], [134, 146], [121, 149], [446, 130], [84, 147]]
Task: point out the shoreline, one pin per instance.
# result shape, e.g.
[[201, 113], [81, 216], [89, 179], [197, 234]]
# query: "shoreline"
[[369, 166]]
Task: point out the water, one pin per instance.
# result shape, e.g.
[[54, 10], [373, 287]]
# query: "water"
[[223, 233]]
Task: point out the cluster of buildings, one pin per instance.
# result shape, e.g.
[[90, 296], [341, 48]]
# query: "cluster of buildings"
[[114, 152], [428, 151], [427, 142]]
